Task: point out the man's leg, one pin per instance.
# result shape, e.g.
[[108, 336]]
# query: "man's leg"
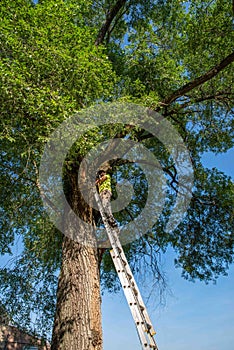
[[106, 197]]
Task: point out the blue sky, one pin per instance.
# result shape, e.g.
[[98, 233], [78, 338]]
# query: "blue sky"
[[196, 315]]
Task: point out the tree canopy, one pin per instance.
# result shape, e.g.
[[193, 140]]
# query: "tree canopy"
[[60, 57]]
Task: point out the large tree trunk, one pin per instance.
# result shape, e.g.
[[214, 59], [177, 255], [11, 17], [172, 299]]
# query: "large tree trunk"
[[78, 316], [77, 323]]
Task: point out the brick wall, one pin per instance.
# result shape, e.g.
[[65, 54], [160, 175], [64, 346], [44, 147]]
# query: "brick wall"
[[11, 338]]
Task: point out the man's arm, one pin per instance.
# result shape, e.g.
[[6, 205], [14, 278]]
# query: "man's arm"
[[101, 179]]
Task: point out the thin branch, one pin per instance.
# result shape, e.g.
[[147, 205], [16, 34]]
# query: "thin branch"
[[220, 97], [199, 81], [116, 22], [112, 13]]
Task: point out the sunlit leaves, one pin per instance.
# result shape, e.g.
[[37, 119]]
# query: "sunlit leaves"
[[50, 68], [205, 243]]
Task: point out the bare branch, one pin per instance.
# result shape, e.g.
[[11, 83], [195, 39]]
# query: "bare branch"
[[117, 18], [222, 96], [109, 18], [199, 81]]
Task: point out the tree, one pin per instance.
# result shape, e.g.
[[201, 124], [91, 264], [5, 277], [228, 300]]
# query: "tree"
[[61, 57]]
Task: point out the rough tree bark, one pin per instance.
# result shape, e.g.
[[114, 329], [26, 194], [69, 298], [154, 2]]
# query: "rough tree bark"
[[78, 316], [77, 324]]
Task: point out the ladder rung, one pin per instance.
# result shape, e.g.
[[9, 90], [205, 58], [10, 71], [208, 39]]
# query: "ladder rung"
[[120, 271], [149, 329], [133, 295], [129, 276], [148, 326]]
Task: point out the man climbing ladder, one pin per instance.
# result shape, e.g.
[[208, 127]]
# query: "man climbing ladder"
[[104, 188], [139, 312]]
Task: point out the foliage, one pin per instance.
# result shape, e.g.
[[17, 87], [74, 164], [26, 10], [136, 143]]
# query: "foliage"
[[51, 68]]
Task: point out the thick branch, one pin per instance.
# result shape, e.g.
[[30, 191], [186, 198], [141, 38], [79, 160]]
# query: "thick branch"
[[200, 80], [109, 18]]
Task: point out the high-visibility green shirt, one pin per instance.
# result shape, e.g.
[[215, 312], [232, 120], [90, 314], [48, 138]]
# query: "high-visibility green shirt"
[[105, 185]]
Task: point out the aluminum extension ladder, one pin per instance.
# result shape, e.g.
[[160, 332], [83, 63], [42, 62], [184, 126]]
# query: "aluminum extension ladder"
[[139, 312]]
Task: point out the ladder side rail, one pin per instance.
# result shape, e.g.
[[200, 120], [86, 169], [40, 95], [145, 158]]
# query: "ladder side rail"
[[142, 304], [126, 287], [139, 311], [114, 239], [134, 284], [143, 331], [132, 303], [105, 221], [117, 248]]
